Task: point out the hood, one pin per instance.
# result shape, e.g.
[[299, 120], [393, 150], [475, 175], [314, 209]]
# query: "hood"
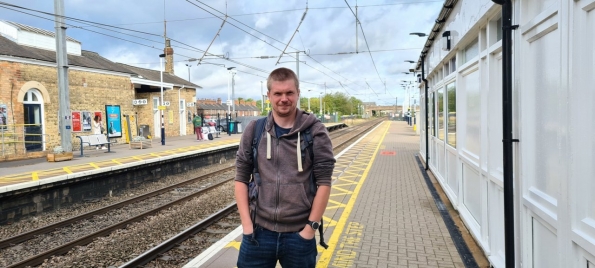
[[303, 120]]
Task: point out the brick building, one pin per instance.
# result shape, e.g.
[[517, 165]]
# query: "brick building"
[[213, 108], [29, 92]]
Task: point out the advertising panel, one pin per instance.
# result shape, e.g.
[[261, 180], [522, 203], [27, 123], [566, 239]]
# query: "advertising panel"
[[3, 116], [87, 121], [113, 121], [76, 121]]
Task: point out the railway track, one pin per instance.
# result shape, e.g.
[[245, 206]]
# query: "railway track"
[[340, 138], [151, 255]]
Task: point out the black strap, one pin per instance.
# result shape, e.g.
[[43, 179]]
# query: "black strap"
[[322, 235], [258, 130]]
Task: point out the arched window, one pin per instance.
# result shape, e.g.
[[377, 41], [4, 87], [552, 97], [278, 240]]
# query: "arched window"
[[33, 110]]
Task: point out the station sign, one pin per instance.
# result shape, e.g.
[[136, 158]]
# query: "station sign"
[[228, 102], [190, 104], [139, 102], [166, 103]]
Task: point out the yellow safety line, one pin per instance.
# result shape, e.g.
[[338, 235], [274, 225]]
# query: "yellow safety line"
[[116, 161], [327, 254], [94, 165], [35, 176], [137, 158], [67, 170]]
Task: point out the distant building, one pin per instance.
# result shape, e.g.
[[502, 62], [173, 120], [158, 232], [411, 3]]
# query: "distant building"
[[29, 92]]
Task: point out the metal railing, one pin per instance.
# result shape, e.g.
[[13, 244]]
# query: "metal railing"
[[16, 139]]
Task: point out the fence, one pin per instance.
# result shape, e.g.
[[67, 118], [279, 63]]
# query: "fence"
[[19, 139]]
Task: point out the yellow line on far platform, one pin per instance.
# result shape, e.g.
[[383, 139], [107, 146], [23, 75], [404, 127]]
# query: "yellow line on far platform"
[[327, 254]]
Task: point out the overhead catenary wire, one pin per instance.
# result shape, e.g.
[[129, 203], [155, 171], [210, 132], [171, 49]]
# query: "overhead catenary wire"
[[290, 39], [366, 41], [123, 39], [253, 34], [219, 31], [184, 46]]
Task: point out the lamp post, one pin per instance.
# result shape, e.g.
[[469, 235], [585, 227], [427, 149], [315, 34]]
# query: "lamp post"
[[320, 106], [229, 100], [188, 65], [161, 56], [261, 99], [309, 100], [419, 34]]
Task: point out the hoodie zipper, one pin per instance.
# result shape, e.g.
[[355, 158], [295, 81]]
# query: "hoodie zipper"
[[277, 182]]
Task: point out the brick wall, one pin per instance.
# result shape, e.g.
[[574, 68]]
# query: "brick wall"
[[88, 92]]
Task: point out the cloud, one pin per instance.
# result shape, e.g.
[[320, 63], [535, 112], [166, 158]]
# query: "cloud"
[[256, 28]]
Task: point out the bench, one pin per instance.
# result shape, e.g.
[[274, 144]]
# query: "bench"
[[211, 130], [93, 140]]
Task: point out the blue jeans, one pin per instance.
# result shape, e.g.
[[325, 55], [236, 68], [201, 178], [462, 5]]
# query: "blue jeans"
[[267, 247]]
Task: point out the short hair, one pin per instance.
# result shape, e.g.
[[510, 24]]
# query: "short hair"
[[282, 74]]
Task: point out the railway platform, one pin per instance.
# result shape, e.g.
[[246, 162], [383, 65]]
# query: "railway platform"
[[383, 210], [381, 213], [22, 174]]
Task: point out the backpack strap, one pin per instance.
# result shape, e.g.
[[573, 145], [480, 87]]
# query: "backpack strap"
[[258, 130], [254, 185], [309, 143]]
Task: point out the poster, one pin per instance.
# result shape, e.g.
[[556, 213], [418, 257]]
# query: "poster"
[[87, 121], [3, 116], [171, 117], [76, 121], [113, 118]]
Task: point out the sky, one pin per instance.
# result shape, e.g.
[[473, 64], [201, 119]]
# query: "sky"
[[367, 63]]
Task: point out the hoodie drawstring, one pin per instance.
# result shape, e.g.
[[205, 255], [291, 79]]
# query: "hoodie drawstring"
[[299, 154], [268, 145]]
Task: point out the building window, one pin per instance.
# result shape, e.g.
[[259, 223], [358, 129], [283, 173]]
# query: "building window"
[[431, 115], [451, 99], [471, 50], [453, 64], [440, 106], [499, 29]]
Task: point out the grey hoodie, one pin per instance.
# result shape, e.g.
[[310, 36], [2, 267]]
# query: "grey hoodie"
[[284, 200]]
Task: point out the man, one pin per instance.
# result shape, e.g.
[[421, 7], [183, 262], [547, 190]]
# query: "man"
[[287, 212], [197, 121]]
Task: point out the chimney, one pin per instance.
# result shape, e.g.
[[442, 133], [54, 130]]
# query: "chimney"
[[169, 57], [218, 100]]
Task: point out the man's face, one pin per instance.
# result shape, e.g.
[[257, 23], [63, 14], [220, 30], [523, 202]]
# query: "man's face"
[[284, 97]]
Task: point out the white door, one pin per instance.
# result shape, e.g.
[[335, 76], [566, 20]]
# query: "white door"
[[156, 118], [182, 115]]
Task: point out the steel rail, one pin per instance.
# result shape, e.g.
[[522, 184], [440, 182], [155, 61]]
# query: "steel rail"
[[150, 255], [46, 229], [164, 247], [38, 259]]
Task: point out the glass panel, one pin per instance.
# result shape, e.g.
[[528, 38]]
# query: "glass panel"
[[452, 114], [471, 50], [499, 29], [440, 118], [155, 103], [34, 96], [28, 96], [431, 113], [453, 64]]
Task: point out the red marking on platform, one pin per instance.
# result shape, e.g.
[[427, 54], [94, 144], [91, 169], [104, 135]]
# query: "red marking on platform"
[[388, 153]]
